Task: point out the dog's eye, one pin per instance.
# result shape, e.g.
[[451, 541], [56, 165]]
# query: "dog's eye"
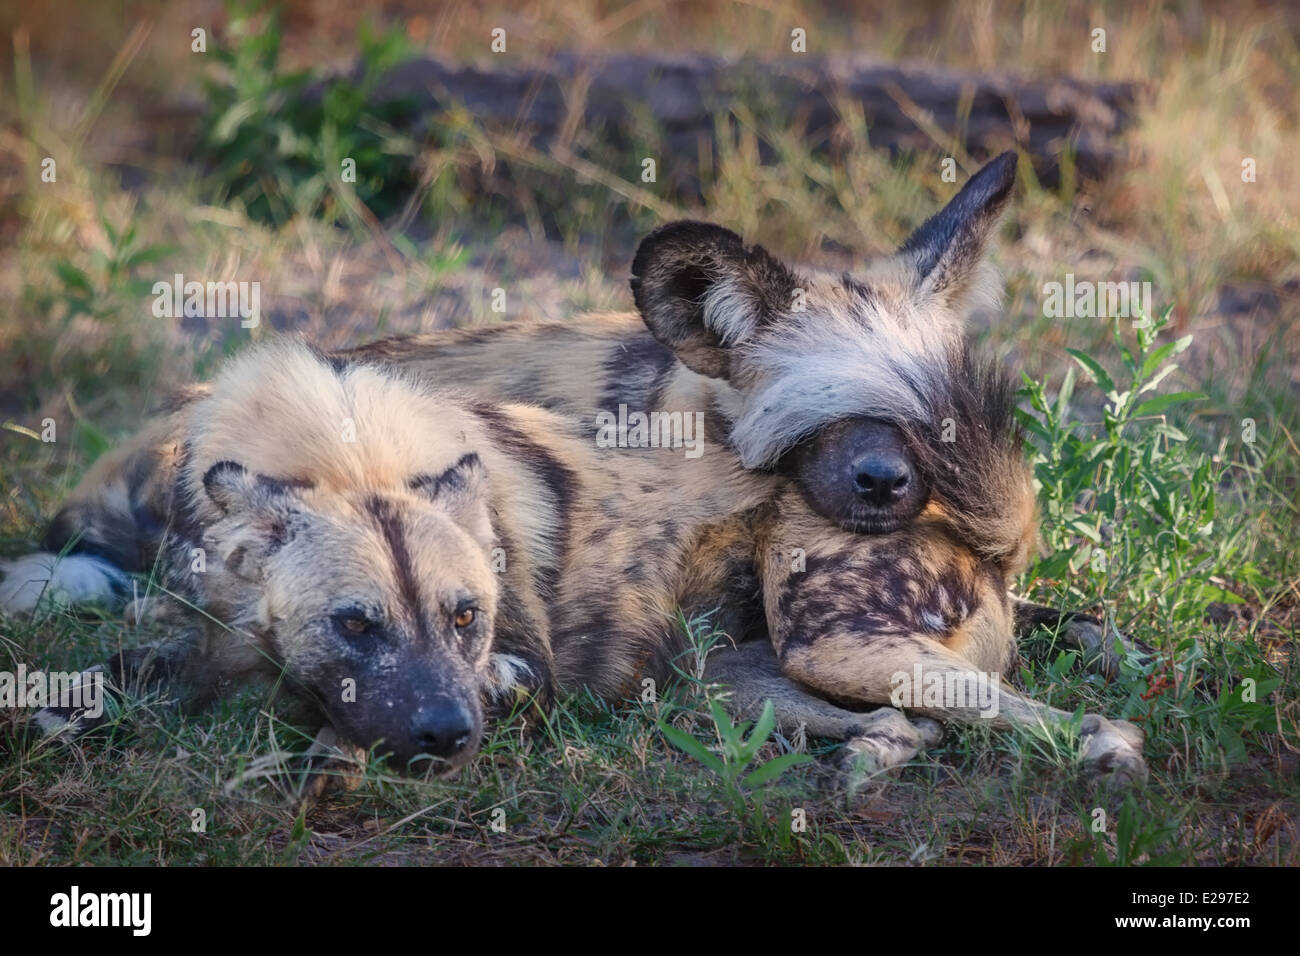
[[353, 624], [464, 617]]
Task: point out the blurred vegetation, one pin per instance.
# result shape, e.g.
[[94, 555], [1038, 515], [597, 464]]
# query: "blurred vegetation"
[[276, 141]]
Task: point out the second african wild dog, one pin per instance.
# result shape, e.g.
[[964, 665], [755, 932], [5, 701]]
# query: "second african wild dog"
[[849, 400]]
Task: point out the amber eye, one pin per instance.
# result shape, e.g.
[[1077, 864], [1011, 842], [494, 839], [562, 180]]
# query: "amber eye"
[[465, 618], [355, 625]]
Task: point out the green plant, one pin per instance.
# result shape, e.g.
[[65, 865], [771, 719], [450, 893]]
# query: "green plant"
[[1128, 512], [288, 142], [109, 284], [738, 751], [1131, 519], [1140, 838], [89, 320]]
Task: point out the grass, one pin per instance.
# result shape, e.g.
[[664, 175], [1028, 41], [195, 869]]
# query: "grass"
[[1176, 519]]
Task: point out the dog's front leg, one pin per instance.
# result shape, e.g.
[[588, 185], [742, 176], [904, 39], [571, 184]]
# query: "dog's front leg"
[[917, 621], [923, 677], [331, 763], [878, 739]]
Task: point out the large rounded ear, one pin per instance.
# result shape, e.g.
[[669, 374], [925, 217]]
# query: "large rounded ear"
[[462, 491], [701, 292], [947, 252], [258, 517]]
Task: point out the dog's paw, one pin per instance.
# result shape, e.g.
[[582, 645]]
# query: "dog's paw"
[[1102, 646], [82, 705], [885, 739], [48, 580], [1112, 751], [331, 765], [62, 724]]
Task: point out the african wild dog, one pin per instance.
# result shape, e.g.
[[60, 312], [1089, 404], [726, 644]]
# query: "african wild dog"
[[397, 554], [849, 398]]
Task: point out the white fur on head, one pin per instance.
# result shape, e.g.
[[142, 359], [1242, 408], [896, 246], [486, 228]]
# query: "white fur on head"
[[879, 359], [885, 347]]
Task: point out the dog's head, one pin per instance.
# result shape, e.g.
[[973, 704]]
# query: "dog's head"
[[859, 386], [348, 527], [378, 605]]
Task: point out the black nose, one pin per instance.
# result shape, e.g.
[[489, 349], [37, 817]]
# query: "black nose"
[[881, 478], [442, 729]]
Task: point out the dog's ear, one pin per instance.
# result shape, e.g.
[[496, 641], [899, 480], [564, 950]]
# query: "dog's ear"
[[230, 487], [702, 292], [260, 515], [947, 252], [462, 491]]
